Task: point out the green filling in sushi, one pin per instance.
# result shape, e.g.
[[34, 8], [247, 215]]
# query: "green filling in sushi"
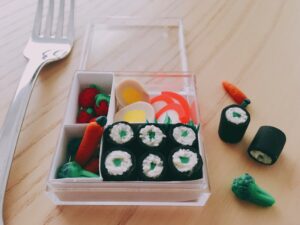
[[184, 135], [118, 162], [236, 115], [184, 160], [121, 133], [152, 166], [151, 135]]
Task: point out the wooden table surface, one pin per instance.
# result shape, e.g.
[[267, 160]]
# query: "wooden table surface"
[[252, 43]]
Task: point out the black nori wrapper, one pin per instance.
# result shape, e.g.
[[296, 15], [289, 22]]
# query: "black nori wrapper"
[[147, 147], [181, 125], [177, 175], [127, 176], [230, 132], [269, 140], [110, 140], [142, 176]]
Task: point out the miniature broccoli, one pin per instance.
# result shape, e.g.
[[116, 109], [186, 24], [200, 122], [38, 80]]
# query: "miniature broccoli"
[[245, 188], [73, 169]]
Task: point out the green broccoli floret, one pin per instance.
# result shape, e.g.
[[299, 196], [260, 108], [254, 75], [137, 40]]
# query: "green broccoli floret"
[[245, 188], [73, 169]]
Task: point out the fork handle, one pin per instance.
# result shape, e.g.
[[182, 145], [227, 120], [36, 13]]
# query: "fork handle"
[[13, 121]]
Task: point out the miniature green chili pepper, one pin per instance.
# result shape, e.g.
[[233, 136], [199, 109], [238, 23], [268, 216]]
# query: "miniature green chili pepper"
[[245, 188], [73, 169]]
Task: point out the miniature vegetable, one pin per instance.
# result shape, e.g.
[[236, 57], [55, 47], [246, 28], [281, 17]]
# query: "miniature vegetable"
[[85, 115], [72, 147], [90, 140], [236, 94], [73, 169], [93, 165], [101, 104], [87, 96], [245, 188]]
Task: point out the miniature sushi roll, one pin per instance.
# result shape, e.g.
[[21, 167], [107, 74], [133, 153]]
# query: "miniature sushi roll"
[[118, 165], [183, 135], [152, 166], [151, 136], [120, 133], [267, 145], [233, 123], [185, 163]]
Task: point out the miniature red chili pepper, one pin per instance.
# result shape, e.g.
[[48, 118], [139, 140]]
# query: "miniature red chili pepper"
[[90, 141]]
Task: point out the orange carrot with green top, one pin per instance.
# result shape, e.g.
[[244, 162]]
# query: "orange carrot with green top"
[[236, 94], [90, 141]]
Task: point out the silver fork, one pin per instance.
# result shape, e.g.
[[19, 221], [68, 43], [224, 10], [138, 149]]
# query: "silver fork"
[[41, 49]]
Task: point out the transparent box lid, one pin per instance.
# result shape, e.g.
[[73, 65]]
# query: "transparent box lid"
[[134, 44]]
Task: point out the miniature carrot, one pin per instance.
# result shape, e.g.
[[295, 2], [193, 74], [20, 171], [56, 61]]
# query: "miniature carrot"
[[93, 165], [236, 94], [90, 140]]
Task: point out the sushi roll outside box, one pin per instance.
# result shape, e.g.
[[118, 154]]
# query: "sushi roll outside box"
[[267, 145], [233, 123]]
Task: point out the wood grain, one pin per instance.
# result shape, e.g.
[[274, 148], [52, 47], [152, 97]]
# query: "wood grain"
[[252, 43]]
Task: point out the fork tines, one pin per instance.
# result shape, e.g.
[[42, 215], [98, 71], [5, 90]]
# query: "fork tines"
[[47, 31]]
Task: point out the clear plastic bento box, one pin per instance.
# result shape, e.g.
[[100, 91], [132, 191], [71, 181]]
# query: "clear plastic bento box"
[[151, 51]]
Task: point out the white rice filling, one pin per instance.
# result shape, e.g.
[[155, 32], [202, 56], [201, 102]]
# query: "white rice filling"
[[184, 160], [151, 135], [152, 166], [184, 135], [118, 162], [236, 115], [121, 133], [261, 157]]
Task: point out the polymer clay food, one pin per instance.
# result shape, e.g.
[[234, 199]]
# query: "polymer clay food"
[[184, 163], [160, 101], [118, 165], [87, 96], [183, 134], [73, 169], [90, 141], [267, 145], [72, 148], [152, 166], [120, 133], [93, 165], [171, 108], [151, 136], [130, 91], [245, 188], [236, 94], [85, 115], [173, 113], [138, 112], [233, 123], [101, 104]]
